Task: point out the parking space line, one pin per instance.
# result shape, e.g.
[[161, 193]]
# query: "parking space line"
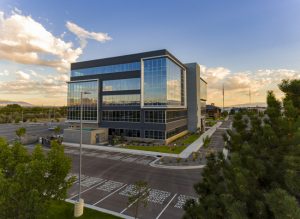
[[132, 203], [109, 195], [166, 206], [89, 188]]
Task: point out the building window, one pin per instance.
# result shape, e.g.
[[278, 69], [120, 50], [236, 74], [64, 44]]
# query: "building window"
[[121, 116], [122, 84], [134, 66], [89, 101], [154, 134], [121, 100], [155, 116], [203, 90], [163, 83], [203, 107], [176, 131], [175, 115], [125, 132]]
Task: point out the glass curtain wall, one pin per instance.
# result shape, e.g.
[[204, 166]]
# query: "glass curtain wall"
[[134, 66], [163, 83], [121, 100], [122, 84], [89, 101]]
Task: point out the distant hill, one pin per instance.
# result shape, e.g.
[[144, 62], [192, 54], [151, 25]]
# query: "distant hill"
[[21, 103], [250, 105]]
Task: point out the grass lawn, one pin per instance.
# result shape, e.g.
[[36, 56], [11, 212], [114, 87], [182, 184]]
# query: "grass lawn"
[[65, 210], [162, 149], [190, 139]]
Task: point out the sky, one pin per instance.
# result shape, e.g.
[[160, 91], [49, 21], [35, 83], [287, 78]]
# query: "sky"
[[245, 45]]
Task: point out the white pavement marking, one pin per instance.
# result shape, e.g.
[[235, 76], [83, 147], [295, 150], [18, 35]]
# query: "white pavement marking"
[[158, 196], [129, 190], [132, 203], [181, 200], [88, 189], [110, 185], [109, 195], [103, 210], [166, 207], [90, 181]]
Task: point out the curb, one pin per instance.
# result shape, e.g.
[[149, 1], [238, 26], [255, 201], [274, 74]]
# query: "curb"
[[153, 164], [102, 210]]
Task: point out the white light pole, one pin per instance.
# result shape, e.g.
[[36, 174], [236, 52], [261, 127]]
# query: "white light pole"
[[78, 210]]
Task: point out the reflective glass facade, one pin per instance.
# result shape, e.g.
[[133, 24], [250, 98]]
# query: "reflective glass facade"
[[121, 100], [154, 134], [175, 115], [203, 90], [125, 132], [155, 86], [89, 101], [122, 84], [155, 116], [203, 107], [134, 66], [174, 78], [163, 83], [121, 116]]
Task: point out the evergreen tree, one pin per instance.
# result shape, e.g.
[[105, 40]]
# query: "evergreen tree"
[[260, 178]]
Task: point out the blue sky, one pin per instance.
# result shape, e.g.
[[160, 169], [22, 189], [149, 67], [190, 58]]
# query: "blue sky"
[[230, 37]]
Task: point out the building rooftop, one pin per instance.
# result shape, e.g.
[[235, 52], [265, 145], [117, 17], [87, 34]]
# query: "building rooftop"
[[122, 59]]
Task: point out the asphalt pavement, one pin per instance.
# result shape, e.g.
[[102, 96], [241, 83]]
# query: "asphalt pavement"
[[37, 129], [108, 176]]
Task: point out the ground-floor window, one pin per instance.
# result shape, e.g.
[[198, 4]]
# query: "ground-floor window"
[[154, 134], [125, 132]]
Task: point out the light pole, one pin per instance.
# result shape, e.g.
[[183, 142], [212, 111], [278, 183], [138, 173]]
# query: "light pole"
[[78, 210]]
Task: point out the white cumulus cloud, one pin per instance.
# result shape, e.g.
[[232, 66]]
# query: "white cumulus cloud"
[[238, 84], [24, 40], [22, 75], [83, 34]]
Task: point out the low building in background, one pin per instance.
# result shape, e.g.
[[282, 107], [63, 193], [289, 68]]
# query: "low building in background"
[[213, 111], [149, 96]]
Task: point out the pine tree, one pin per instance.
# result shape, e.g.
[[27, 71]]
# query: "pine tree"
[[260, 178]]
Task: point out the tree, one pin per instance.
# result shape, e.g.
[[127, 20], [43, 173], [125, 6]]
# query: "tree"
[[57, 130], [20, 132], [29, 182], [260, 178], [139, 195]]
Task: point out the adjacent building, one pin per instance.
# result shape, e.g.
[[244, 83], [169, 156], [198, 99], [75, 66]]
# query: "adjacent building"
[[150, 96]]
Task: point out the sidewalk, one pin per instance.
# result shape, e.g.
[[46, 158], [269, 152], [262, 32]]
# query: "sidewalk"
[[195, 146]]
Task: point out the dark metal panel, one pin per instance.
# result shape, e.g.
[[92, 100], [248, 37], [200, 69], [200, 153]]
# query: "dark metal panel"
[[109, 76], [117, 60], [120, 92]]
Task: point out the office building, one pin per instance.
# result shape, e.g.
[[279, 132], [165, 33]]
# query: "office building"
[[150, 96]]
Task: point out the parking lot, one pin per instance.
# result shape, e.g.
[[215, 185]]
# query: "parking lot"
[[109, 177], [37, 129]]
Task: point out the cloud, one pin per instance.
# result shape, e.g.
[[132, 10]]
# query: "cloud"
[[26, 41], [47, 86], [238, 84], [83, 34], [22, 75], [4, 73]]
